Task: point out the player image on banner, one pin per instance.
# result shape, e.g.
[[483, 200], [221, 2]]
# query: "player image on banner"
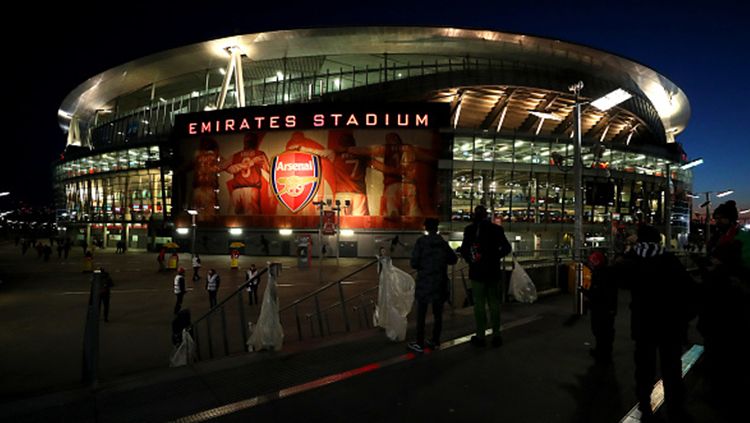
[[379, 177], [206, 166], [350, 169], [250, 170]]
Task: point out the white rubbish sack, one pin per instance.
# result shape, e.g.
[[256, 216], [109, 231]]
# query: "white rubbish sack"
[[395, 299], [521, 286], [184, 353], [267, 333]]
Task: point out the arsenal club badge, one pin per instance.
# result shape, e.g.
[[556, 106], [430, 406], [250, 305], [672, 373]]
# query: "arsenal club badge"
[[295, 178]]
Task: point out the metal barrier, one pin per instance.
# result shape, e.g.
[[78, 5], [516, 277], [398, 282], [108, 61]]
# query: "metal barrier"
[[220, 309], [318, 314]]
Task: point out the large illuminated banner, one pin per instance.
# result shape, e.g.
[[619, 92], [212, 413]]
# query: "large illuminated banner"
[[267, 166]]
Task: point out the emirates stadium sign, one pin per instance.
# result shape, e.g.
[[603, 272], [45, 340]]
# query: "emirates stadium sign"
[[295, 178]]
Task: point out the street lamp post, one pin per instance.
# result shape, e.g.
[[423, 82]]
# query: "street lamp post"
[[193, 214], [603, 103]]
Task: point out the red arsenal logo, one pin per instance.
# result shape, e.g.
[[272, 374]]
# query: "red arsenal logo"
[[295, 178]]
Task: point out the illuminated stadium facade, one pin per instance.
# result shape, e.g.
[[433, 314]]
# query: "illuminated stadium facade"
[[392, 124]]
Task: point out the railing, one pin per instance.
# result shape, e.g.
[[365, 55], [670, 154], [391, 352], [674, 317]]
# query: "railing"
[[230, 345], [315, 296]]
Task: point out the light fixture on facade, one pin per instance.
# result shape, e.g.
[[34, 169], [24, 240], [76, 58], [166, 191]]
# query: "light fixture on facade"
[[611, 100], [545, 115], [183, 231], [692, 163], [725, 193], [347, 232], [235, 231], [285, 232]]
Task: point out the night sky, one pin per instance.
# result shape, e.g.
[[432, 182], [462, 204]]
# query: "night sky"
[[701, 47]]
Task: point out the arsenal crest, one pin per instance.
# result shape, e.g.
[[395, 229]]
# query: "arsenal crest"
[[295, 178]]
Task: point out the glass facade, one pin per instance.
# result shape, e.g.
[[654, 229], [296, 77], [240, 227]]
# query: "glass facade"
[[520, 181], [118, 186]]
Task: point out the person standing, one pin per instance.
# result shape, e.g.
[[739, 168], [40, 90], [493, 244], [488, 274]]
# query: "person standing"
[[212, 286], [264, 245], [483, 246], [661, 307], [160, 258], [105, 281], [602, 296], [431, 257], [196, 267], [179, 289], [252, 280]]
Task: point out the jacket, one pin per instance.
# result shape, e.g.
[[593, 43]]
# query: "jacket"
[[664, 295], [489, 241], [431, 257]]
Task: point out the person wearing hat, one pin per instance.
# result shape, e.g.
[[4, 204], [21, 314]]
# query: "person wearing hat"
[[724, 321], [661, 306], [179, 288], [431, 257]]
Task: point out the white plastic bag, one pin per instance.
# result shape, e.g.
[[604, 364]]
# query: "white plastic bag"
[[184, 353], [268, 333], [521, 286], [395, 299]]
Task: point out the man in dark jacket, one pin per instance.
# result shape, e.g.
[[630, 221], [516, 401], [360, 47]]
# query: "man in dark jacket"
[[104, 292], [483, 246], [662, 305], [431, 257]]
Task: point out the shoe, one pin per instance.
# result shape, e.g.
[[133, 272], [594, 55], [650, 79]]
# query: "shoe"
[[432, 345], [413, 346], [497, 341], [478, 342]]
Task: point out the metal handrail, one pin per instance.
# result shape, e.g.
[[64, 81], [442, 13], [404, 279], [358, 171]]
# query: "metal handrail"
[[220, 305], [368, 291], [325, 287]]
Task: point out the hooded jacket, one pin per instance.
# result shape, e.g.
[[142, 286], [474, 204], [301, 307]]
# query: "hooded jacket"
[[431, 257], [663, 294]]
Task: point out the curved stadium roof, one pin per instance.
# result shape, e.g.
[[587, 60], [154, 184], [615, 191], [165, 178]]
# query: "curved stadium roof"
[[568, 61]]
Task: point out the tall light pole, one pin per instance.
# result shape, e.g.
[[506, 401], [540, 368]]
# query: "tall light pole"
[[193, 214], [685, 166], [603, 103]]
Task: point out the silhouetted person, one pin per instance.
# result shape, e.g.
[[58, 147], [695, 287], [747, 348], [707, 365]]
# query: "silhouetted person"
[[724, 318], [483, 246], [264, 245], [431, 257], [104, 292], [160, 259], [603, 306], [663, 297]]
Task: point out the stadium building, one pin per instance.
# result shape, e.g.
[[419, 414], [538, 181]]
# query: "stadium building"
[[364, 132]]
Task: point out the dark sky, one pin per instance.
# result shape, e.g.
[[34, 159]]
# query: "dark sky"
[[702, 47]]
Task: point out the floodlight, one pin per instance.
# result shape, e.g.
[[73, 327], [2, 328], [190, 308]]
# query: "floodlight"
[[611, 100], [724, 193], [546, 115], [692, 163], [192, 212]]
